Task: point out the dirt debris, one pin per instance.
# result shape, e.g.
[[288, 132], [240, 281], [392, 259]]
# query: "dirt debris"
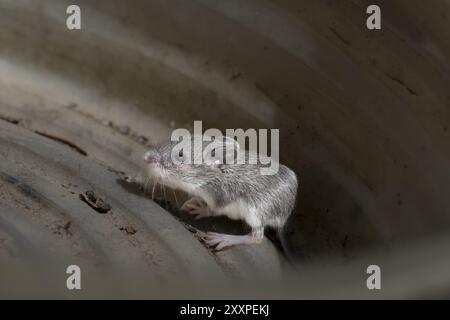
[[96, 203], [128, 230]]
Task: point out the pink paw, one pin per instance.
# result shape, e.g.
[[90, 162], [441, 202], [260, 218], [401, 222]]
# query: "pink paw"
[[196, 207]]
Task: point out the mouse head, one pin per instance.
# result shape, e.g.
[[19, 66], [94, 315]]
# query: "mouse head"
[[190, 162]]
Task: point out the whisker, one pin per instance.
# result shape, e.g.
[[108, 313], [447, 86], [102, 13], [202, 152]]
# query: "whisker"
[[154, 187], [175, 196], [164, 192]]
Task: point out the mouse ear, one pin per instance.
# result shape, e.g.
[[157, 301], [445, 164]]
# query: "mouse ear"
[[222, 150]]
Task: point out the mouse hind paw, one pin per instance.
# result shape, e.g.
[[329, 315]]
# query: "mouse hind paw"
[[220, 241]]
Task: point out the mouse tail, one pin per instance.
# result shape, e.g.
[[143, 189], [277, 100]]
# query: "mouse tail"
[[285, 245]]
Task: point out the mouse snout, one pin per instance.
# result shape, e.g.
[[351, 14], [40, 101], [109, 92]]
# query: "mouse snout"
[[151, 157]]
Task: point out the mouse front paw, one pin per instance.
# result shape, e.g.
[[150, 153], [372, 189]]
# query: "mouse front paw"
[[196, 207], [134, 179]]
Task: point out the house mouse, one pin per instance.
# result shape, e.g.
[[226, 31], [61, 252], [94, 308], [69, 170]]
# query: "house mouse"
[[218, 187]]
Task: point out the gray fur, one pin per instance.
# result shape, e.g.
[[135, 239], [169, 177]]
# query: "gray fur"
[[273, 196]]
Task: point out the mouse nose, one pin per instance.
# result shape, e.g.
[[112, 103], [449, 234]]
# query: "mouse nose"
[[150, 157]]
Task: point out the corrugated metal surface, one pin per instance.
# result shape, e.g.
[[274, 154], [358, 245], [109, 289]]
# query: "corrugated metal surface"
[[363, 115], [43, 178]]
